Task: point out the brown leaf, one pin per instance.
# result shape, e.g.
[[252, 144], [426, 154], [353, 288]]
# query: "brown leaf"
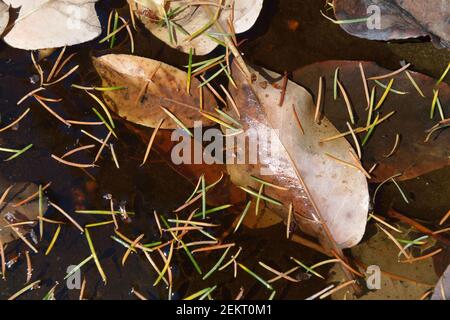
[[330, 199], [26, 212], [413, 157], [151, 84], [399, 19]]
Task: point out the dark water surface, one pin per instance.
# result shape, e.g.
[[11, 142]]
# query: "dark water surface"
[[273, 44]]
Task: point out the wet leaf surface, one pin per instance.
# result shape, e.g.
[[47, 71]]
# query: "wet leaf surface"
[[314, 181], [45, 24], [150, 85], [192, 19], [398, 19], [414, 156]]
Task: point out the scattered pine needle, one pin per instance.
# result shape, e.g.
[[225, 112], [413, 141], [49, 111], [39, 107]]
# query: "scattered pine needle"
[[395, 147], [31, 286], [94, 255], [347, 102], [52, 243], [15, 122], [73, 164], [339, 287], [392, 74], [319, 100], [414, 83], [411, 259], [406, 254], [441, 222], [66, 215]]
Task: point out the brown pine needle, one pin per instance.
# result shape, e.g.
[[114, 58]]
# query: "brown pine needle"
[[139, 295], [114, 155], [68, 153], [53, 113], [38, 68], [22, 237], [395, 147], [66, 215], [211, 88], [130, 34], [339, 287], [283, 275], [411, 260], [73, 164], [2, 260], [5, 194], [319, 101], [444, 218], [392, 74], [347, 102], [64, 63], [426, 294], [50, 220], [346, 266], [29, 94], [366, 88], [152, 139], [211, 248], [100, 150], [402, 250], [283, 89], [82, 289], [355, 139], [342, 161], [233, 103], [358, 163], [157, 222], [130, 248], [34, 195], [58, 60], [440, 231], [85, 123], [289, 219], [63, 77], [278, 273], [298, 120], [375, 217], [12, 124]]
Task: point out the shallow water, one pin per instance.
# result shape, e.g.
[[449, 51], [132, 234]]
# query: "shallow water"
[[271, 44]]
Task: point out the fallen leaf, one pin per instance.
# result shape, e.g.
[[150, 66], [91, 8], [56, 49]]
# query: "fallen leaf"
[[379, 251], [4, 16], [398, 19], [26, 212], [413, 157], [442, 289], [150, 84], [43, 24], [330, 199], [193, 18]]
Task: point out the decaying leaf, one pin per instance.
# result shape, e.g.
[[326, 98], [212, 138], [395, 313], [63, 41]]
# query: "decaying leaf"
[[442, 289], [395, 19], [379, 251], [150, 85], [413, 156], [45, 24], [4, 16], [9, 213], [193, 16], [330, 199]]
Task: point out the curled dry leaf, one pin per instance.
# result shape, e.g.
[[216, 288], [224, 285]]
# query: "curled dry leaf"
[[150, 84], [4, 16], [413, 156], [442, 289], [192, 18], [398, 19], [320, 188], [10, 214], [43, 24]]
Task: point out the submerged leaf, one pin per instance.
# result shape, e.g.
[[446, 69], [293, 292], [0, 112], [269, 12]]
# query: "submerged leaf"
[[9, 213], [43, 24], [442, 289], [397, 19], [412, 156], [150, 85], [330, 199], [178, 22]]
